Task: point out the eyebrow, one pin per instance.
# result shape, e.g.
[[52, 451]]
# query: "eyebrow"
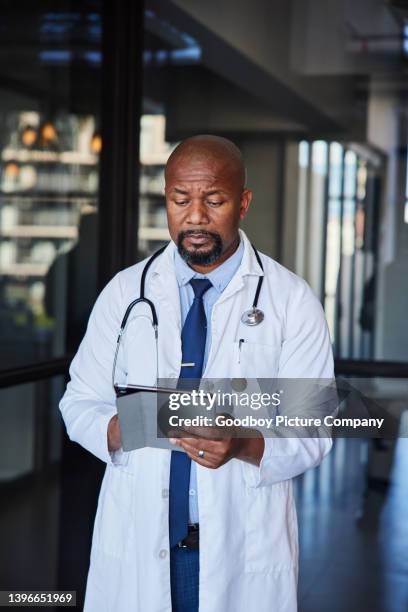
[[210, 192]]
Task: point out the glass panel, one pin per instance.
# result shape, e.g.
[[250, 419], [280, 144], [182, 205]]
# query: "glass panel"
[[336, 169], [347, 269], [303, 154], [49, 149], [302, 199], [350, 171], [340, 247], [317, 204], [406, 168], [348, 227], [154, 152], [319, 157], [30, 427], [363, 297], [30, 441], [361, 194], [332, 262]]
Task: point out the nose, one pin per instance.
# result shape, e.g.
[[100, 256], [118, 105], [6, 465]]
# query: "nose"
[[197, 213]]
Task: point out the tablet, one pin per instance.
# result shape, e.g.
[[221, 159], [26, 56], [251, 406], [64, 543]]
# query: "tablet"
[[144, 415]]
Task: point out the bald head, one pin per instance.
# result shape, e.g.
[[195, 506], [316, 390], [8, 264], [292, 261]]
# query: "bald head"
[[206, 199], [218, 156]]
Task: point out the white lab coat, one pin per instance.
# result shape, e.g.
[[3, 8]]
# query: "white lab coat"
[[248, 525]]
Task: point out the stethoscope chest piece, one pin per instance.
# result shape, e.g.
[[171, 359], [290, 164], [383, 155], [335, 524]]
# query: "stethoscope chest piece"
[[253, 316]]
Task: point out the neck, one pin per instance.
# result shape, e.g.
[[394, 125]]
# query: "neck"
[[223, 257]]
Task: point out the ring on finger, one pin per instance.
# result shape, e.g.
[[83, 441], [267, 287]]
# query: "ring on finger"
[[201, 454]]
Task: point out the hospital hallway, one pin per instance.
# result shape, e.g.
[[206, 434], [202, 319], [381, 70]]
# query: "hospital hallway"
[[95, 97], [354, 546], [353, 538]]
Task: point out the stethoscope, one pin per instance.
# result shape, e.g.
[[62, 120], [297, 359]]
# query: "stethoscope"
[[251, 317]]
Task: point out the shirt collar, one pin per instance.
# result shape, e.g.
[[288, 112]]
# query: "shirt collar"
[[220, 277]]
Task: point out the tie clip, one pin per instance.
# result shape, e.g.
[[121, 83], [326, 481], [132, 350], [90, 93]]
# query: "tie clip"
[[188, 365]]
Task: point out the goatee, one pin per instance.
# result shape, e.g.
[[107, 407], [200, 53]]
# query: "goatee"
[[200, 257]]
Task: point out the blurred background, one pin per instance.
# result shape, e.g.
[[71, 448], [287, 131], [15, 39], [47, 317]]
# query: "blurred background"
[[94, 95]]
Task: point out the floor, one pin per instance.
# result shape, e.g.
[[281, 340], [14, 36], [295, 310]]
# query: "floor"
[[354, 547], [353, 539], [29, 534]]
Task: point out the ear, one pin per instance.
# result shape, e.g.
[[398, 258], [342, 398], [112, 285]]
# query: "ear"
[[246, 199]]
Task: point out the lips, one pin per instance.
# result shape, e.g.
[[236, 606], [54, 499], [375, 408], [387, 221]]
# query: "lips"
[[197, 239]]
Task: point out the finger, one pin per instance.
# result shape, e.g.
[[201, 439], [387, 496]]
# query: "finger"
[[215, 453], [173, 433], [214, 447], [194, 445], [208, 432], [205, 461], [181, 433], [209, 457], [179, 441]]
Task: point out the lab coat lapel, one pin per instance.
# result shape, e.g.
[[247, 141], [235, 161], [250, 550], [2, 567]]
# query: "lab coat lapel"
[[249, 267], [224, 310]]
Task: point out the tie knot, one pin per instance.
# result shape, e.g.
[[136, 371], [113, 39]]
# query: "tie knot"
[[200, 286]]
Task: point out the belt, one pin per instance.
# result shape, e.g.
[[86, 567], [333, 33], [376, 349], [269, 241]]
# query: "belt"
[[192, 538]]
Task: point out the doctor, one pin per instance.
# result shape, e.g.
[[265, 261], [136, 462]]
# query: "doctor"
[[217, 530]]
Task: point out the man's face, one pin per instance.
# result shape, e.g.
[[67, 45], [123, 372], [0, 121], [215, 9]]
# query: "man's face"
[[205, 203]]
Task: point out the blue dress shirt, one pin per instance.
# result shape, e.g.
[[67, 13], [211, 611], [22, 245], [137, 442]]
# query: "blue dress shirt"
[[220, 278]]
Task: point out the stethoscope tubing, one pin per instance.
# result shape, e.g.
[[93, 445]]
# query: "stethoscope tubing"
[[155, 322]]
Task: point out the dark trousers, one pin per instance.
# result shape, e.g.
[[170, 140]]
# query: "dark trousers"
[[184, 575]]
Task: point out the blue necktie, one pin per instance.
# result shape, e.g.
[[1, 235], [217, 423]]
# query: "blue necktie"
[[193, 337]]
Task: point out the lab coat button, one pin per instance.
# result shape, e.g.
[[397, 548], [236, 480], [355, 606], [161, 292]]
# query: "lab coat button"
[[192, 492], [163, 554], [165, 493]]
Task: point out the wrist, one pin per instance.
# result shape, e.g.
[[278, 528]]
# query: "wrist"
[[113, 434]]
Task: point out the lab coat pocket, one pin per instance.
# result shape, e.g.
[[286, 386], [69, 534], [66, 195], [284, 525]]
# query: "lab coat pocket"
[[271, 529], [257, 360]]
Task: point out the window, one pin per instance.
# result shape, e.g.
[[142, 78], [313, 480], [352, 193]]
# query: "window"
[[337, 201], [49, 150]]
